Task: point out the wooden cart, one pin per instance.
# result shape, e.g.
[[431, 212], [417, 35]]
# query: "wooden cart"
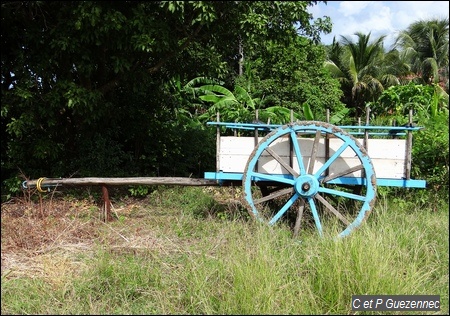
[[305, 172], [314, 172]]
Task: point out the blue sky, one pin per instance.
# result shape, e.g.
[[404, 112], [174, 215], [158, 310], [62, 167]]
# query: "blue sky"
[[377, 17]]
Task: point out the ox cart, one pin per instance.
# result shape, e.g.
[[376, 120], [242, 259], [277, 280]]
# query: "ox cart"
[[304, 172]]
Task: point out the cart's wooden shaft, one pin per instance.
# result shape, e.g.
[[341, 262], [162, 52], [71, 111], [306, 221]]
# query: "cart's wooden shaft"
[[120, 181]]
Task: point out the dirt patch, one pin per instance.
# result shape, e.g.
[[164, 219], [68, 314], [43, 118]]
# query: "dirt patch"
[[47, 238]]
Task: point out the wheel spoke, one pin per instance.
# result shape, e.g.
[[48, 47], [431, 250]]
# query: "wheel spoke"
[[343, 173], [332, 159], [298, 152], [312, 205], [298, 221], [274, 195], [332, 209], [269, 177], [282, 162], [283, 210], [342, 193], [314, 153]]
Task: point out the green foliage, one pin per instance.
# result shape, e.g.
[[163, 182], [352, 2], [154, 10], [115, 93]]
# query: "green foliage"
[[94, 88], [12, 187], [430, 152], [293, 77], [307, 112], [101, 155], [396, 101], [237, 106], [340, 116], [276, 81], [139, 190], [359, 67], [277, 115]]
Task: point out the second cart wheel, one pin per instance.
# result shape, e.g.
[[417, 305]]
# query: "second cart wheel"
[[310, 172]]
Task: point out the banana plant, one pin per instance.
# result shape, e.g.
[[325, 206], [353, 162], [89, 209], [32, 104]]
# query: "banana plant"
[[236, 106]]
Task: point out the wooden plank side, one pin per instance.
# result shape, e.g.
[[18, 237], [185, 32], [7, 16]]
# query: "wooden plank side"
[[387, 148], [387, 155], [231, 145], [384, 168], [378, 148], [389, 168]]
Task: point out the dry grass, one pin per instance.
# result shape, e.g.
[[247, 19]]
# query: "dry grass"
[[47, 238], [46, 235]]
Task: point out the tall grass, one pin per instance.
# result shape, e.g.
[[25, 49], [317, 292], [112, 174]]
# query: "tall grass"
[[190, 264]]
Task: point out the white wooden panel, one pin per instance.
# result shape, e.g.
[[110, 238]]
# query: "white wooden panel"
[[387, 155], [389, 168], [386, 148], [232, 145], [233, 163]]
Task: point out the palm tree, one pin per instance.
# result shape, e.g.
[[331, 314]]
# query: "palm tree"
[[426, 44], [359, 66]]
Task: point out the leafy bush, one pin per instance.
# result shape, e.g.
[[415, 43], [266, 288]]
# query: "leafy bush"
[[396, 101], [430, 152]]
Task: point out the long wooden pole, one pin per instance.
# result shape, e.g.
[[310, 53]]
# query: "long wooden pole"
[[44, 182]]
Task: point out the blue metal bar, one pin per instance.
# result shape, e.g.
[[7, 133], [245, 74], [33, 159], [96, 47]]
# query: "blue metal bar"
[[378, 134], [262, 126], [269, 127], [392, 128], [284, 209], [298, 152], [331, 159], [403, 183], [344, 194], [272, 177], [247, 126], [315, 215]]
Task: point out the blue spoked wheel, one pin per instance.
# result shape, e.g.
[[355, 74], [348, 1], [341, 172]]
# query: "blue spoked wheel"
[[310, 174]]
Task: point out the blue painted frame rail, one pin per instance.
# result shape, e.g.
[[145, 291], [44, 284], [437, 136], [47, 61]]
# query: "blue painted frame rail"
[[221, 177], [269, 127]]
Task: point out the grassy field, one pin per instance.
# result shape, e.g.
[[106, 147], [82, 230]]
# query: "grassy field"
[[191, 250]]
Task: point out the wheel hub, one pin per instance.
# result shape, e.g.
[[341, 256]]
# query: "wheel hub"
[[306, 185]]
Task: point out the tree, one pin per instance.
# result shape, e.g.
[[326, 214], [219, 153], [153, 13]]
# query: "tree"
[[92, 75], [278, 78], [358, 67], [292, 76], [426, 45]]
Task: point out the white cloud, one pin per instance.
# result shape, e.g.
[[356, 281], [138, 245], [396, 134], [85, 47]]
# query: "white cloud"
[[352, 7], [377, 17]]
